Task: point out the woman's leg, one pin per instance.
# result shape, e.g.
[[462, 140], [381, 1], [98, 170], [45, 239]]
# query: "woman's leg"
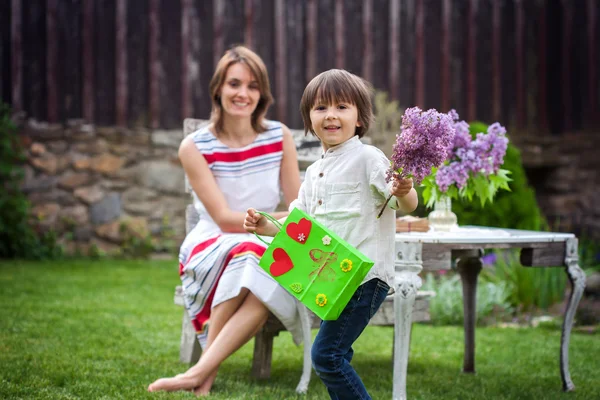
[[238, 330], [219, 316]]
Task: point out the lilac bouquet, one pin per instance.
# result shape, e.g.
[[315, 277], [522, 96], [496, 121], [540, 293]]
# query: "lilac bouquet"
[[422, 144], [473, 165]]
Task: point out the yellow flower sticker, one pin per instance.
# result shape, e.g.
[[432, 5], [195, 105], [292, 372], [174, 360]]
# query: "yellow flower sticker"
[[346, 265], [321, 300]]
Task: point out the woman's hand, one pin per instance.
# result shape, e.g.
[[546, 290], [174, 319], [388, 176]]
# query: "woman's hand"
[[401, 187]]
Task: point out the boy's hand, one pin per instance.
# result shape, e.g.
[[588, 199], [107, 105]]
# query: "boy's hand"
[[257, 223], [401, 187]]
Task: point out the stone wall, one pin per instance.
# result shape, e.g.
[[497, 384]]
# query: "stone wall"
[[97, 187], [565, 172], [100, 186]]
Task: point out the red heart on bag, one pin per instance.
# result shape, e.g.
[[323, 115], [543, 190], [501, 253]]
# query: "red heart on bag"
[[299, 231], [282, 264]]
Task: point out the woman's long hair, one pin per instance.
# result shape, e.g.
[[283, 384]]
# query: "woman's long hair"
[[243, 55]]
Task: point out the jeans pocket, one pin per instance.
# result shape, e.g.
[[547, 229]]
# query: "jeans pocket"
[[379, 295]]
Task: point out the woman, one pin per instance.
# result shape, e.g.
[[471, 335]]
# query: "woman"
[[237, 161]]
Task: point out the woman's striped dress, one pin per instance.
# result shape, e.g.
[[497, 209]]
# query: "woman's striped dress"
[[215, 266]]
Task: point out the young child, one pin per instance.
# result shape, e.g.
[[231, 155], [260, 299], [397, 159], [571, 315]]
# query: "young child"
[[345, 190]]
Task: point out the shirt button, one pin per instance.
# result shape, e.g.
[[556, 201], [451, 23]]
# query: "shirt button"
[[320, 202], [321, 175]]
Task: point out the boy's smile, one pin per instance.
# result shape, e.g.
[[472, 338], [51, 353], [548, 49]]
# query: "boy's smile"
[[334, 123]]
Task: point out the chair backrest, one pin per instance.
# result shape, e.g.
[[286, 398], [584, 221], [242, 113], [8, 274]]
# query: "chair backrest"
[[191, 125]]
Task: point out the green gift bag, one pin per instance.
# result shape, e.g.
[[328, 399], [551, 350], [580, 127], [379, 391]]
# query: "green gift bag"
[[314, 264]]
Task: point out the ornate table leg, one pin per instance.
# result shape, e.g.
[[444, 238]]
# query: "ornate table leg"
[[469, 265], [408, 265], [577, 279]]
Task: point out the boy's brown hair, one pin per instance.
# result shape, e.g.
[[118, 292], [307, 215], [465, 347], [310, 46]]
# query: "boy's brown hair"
[[243, 55], [338, 85]]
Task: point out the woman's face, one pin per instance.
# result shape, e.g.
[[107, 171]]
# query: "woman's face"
[[240, 92]]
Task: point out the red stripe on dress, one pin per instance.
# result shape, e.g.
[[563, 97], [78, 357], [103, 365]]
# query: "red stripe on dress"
[[196, 250], [244, 155], [204, 314]]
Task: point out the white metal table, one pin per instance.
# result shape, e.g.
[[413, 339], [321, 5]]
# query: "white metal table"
[[429, 251]]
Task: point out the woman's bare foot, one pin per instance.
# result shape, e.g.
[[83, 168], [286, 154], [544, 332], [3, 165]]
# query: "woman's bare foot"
[[178, 382]]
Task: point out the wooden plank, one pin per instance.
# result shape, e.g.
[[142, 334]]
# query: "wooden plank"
[[550, 256], [170, 57], [432, 53], [380, 45], [407, 55], [419, 54], [87, 42], [5, 44], [281, 70], [458, 52], [325, 35], [248, 23], [311, 40], [353, 36], [471, 61], [202, 56], [51, 61], [579, 75], [233, 23], [186, 65], [34, 58], [218, 35], [446, 54], [264, 15], [121, 92], [496, 60], [296, 60], [68, 24], [483, 60], [394, 38], [566, 64], [519, 97], [137, 64], [592, 61], [508, 73], [104, 50], [340, 47], [367, 27], [16, 42], [154, 60], [541, 70]]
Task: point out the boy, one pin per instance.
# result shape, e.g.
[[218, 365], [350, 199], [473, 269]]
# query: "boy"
[[345, 190]]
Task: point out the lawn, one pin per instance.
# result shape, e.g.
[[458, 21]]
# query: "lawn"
[[106, 329]]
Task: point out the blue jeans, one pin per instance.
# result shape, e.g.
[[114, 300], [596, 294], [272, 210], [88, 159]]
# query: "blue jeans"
[[332, 349]]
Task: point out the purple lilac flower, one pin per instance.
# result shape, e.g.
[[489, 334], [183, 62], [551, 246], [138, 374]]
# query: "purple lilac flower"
[[422, 143], [484, 154]]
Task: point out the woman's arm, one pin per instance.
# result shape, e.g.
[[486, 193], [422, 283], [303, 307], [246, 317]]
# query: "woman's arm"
[[205, 186], [290, 174]]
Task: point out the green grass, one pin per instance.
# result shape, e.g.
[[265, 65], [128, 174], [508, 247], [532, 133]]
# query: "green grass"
[[106, 329]]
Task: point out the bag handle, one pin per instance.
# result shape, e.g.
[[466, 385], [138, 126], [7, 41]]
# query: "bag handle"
[[273, 220]]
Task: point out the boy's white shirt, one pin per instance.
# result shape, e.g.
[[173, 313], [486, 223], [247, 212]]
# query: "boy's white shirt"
[[352, 189]]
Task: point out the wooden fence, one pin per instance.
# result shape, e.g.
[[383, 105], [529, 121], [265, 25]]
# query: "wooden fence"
[[531, 64]]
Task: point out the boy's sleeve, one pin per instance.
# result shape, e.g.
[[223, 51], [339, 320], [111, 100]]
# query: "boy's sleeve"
[[301, 202], [377, 182]]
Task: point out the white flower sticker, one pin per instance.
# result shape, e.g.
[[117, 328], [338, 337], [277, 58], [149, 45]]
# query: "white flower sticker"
[[301, 237], [326, 240]]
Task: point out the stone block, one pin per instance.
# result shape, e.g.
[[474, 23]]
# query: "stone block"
[[75, 180], [89, 194], [106, 210]]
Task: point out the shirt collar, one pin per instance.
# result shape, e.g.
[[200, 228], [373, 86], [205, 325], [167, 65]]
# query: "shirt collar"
[[342, 148]]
